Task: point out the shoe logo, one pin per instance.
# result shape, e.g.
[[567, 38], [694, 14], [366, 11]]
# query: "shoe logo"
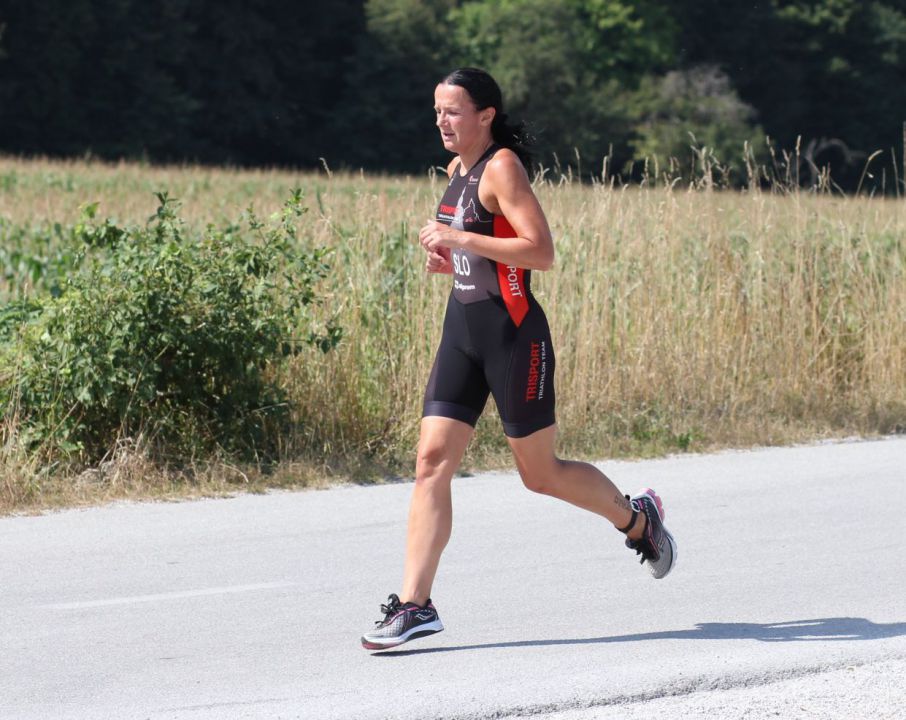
[[424, 615]]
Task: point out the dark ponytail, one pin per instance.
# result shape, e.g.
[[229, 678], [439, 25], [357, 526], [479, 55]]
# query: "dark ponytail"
[[485, 93]]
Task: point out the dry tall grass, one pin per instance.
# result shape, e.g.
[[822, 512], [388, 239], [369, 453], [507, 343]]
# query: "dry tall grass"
[[682, 319]]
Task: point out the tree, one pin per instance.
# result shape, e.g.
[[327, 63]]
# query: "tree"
[[688, 117], [267, 82], [259, 82], [829, 71], [567, 65], [241, 82], [388, 121]]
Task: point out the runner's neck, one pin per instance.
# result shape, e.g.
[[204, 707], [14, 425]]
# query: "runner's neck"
[[470, 159]]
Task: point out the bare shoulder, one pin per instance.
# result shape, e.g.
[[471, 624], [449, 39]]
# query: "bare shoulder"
[[506, 178], [505, 183], [506, 166]]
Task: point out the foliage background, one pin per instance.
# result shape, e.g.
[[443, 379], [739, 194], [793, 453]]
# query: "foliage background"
[[350, 81], [685, 318], [136, 355]]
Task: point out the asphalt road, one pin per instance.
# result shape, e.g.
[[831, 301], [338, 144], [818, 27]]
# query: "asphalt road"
[[788, 600]]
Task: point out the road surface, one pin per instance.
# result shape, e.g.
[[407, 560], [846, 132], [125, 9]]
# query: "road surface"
[[788, 600]]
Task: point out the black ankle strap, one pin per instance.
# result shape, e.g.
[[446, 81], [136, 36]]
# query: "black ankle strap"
[[635, 516]]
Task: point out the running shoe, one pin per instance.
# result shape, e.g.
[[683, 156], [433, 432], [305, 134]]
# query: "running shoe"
[[656, 546], [402, 622]]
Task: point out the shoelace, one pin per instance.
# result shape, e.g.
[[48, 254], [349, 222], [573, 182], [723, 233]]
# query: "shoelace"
[[391, 608], [635, 545]]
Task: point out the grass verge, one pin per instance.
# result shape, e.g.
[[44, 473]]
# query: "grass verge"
[[683, 320]]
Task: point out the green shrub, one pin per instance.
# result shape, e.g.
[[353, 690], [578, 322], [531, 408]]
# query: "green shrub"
[[36, 259], [691, 119], [166, 335]]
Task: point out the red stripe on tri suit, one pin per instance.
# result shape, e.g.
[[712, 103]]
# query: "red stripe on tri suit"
[[511, 278]]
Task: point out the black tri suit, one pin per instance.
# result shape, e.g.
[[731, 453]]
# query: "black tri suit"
[[495, 337]]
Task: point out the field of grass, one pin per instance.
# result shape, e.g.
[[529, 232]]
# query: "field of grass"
[[683, 320]]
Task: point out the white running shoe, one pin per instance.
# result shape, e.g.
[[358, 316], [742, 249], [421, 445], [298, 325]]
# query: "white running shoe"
[[402, 622], [656, 546]]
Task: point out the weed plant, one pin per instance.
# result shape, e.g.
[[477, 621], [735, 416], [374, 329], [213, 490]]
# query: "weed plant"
[[159, 337]]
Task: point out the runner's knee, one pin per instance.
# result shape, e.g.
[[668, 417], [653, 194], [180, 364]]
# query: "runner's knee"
[[539, 480], [430, 459]]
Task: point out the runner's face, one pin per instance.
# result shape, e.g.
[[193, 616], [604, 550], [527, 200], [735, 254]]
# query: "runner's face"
[[461, 125]]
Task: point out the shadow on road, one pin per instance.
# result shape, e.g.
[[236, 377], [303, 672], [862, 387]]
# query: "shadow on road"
[[842, 628]]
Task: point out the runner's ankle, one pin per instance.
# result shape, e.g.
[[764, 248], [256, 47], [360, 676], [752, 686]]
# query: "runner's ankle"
[[639, 528]]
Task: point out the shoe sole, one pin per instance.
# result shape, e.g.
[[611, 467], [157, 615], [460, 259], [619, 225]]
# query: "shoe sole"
[[673, 556], [413, 634]]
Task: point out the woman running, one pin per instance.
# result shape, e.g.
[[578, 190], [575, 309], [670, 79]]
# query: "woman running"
[[490, 233]]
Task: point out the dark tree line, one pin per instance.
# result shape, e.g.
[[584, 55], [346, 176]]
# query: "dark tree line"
[[287, 83]]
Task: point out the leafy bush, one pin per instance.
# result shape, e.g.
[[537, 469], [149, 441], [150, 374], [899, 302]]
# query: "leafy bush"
[[693, 117], [35, 259], [161, 333]]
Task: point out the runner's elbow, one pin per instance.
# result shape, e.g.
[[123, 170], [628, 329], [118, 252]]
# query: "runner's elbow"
[[545, 260]]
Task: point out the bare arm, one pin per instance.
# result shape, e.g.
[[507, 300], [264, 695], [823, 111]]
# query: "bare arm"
[[438, 260], [504, 190]]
